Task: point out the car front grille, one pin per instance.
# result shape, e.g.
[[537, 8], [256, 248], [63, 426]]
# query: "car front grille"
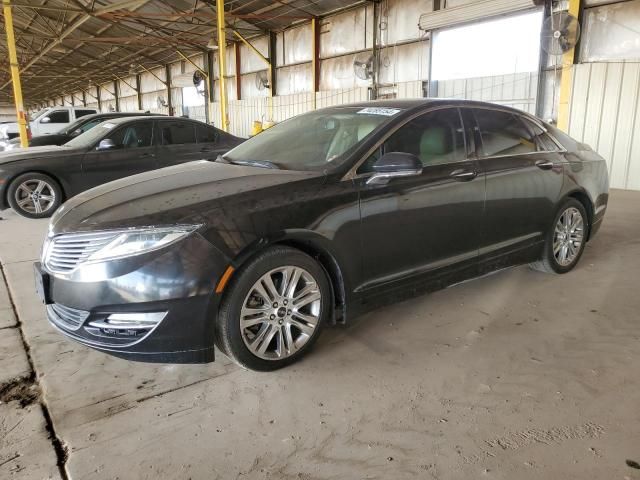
[[65, 252], [66, 317]]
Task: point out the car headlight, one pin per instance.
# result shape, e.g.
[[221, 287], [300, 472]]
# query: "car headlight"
[[136, 242]]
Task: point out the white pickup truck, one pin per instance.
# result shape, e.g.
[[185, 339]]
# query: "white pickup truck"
[[46, 121]]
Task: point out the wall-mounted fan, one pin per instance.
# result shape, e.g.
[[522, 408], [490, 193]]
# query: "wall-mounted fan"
[[197, 78], [262, 80], [560, 33], [161, 102], [363, 66]]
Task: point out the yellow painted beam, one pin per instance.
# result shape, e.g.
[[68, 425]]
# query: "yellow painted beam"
[[15, 74], [222, 60], [566, 79]]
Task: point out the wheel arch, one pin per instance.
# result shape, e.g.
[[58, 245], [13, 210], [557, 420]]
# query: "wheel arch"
[[583, 198], [316, 247]]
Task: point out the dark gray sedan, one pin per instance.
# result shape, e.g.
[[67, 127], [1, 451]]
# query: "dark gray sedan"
[[35, 181]]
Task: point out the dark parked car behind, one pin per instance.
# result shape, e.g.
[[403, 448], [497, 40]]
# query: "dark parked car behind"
[[83, 124], [34, 181], [312, 222]]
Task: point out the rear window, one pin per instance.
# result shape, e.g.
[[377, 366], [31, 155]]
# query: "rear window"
[[206, 134]]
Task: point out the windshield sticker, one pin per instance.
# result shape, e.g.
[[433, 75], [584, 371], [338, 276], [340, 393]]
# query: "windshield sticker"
[[387, 112], [108, 125]]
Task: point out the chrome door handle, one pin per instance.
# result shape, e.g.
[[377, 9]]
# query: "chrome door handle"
[[544, 164], [464, 175]]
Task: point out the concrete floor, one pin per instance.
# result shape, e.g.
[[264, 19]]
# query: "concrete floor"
[[517, 375]]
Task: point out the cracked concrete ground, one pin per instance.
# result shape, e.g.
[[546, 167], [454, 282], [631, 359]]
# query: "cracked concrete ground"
[[517, 375]]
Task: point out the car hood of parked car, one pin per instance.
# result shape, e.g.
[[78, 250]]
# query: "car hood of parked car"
[[53, 139], [190, 193], [33, 152]]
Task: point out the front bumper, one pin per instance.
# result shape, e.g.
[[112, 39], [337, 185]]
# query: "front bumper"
[[175, 285]]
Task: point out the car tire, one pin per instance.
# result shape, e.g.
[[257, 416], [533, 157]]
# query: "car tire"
[[34, 195], [274, 309], [570, 225]]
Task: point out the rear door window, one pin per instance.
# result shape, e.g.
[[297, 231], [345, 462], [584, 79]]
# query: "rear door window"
[[503, 133], [177, 133]]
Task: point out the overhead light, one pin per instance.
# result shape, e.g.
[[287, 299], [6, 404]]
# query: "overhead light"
[[212, 45], [132, 69]]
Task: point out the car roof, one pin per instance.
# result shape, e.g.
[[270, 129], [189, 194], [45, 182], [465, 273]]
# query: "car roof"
[[119, 115], [412, 104], [131, 118]]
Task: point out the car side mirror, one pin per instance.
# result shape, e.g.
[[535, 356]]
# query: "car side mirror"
[[106, 144], [394, 164], [76, 132], [45, 120]]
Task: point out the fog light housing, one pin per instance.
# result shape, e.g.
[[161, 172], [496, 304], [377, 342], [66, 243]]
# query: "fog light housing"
[[132, 326]]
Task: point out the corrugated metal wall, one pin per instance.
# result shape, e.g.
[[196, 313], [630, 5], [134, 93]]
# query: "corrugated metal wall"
[[605, 113]]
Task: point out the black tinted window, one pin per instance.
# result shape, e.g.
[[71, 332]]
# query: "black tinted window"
[[82, 113], [504, 134], [177, 133], [59, 116], [206, 134], [133, 136]]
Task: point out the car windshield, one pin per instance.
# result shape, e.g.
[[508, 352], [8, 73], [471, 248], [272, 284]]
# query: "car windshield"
[[91, 137], [39, 113], [313, 141]]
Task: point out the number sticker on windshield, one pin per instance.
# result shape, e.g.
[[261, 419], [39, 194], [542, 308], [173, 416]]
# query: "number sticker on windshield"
[[387, 112]]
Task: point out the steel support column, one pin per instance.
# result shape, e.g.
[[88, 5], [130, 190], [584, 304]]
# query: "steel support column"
[[315, 61], [222, 57], [236, 50], [15, 74], [167, 70], [138, 91], [115, 95]]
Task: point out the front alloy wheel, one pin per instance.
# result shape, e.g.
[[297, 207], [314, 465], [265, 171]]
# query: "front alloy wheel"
[[280, 312], [34, 195], [274, 309]]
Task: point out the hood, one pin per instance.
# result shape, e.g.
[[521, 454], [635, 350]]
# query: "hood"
[[187, 193], [53, 139], [33, 152]]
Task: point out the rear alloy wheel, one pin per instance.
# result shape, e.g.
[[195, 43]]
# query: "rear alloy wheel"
[[274, 310], [34, 195], [565, 243]]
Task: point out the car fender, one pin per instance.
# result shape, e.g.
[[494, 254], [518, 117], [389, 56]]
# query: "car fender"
[[318, 247]]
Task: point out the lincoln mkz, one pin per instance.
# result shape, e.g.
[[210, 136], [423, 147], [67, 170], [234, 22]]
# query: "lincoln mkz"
[[312, 222]]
